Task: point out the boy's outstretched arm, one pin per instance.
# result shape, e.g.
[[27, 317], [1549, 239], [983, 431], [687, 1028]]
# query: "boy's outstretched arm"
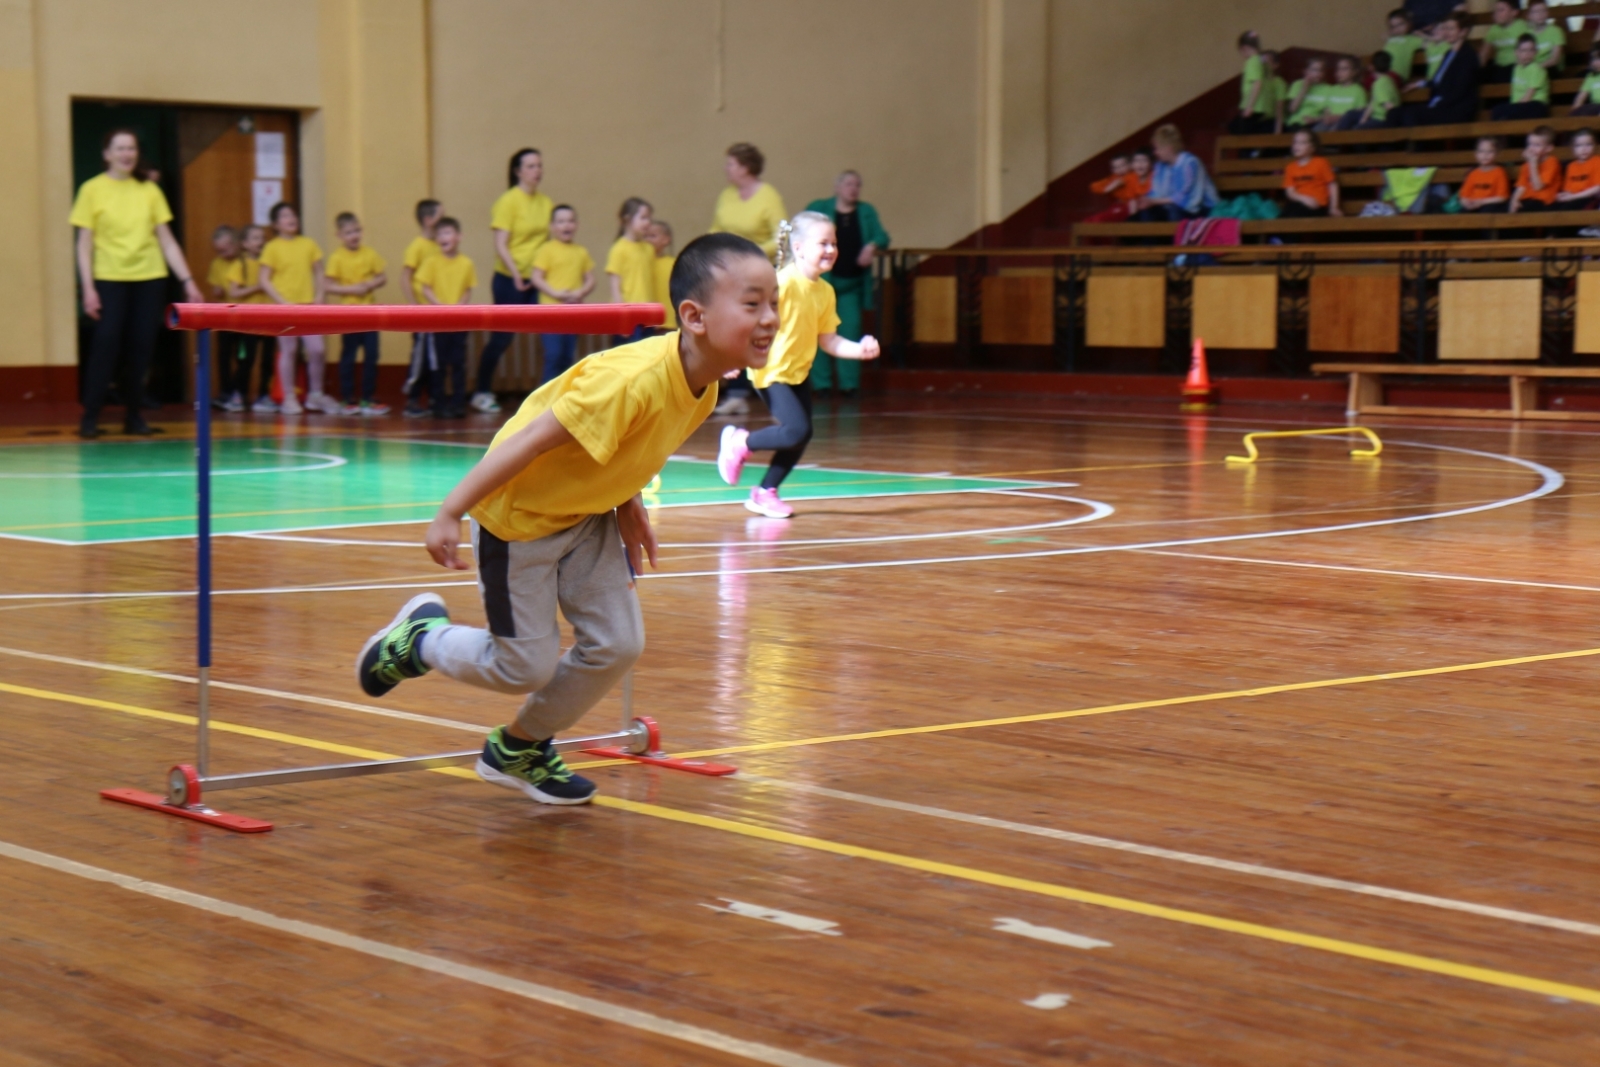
[[491, 472], [843, 348]]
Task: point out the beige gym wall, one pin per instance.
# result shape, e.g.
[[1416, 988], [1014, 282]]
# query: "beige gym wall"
[[956, 111]]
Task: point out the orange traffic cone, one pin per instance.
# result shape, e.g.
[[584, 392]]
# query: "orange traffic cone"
[[1198, 393]]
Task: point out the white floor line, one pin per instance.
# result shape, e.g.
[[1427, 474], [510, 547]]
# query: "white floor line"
[[1551, 482], [773, 915], [543, 994], [1252, 869], [1376, 570], [1048, 933], [275, 694]]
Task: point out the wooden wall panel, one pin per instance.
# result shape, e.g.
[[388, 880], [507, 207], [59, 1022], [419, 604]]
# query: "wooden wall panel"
[[1019, 310], [1491, 319], [1586, 337], [933, 315], [1355, 313], [1126, 309], [1236, 310]]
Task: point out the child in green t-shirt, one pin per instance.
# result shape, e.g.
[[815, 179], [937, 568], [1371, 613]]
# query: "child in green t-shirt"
[[1530, 86], [1344, 97], [1276, 91], [1587, 101], [1498, 50], [1308, 97], [1383, 105], [1403, 45], [1552, 39], [1254, 90]]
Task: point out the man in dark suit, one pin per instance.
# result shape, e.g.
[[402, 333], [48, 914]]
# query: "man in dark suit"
[[1453, 89]]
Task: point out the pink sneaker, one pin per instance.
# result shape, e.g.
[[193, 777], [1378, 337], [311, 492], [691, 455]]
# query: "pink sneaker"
[[766, 502], [731, 456]]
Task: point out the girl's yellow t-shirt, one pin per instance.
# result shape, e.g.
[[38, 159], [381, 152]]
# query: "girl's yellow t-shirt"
[[527, 220], [634, 262], [246, 274], [756, 219], [806, 311], [292, 261], [123, 215]]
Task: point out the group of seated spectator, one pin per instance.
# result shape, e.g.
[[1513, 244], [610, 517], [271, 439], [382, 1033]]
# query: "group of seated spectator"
[[1438, 59], [1163, 183]]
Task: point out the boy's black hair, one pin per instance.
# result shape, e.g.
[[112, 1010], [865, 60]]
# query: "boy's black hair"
[[694, 273], [272, 216], [426, 208], [452, 223], [563, 207], [345, 218], [1402, 13], [1251, 38], [1492, 139], [1527, 38], [1585, 132], [1382, 62]]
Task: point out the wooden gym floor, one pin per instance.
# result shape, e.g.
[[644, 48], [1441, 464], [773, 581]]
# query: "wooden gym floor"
[[1127, 756]]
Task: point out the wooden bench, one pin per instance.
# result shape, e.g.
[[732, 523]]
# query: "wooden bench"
[[1410, 135], [1366, 388], [1396, 225]]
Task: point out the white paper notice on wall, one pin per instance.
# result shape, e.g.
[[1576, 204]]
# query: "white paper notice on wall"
[[263, 194], [272, 156]]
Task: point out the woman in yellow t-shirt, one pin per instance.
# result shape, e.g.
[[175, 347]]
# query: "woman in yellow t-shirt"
[[125, 246], [752, 209], [631, 263], [520, 222], [807, 320], [291, 273]]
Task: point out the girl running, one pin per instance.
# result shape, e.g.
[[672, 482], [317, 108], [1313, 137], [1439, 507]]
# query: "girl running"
[[807, 321]]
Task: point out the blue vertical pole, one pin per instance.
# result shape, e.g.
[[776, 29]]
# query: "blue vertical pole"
[[202, 462]]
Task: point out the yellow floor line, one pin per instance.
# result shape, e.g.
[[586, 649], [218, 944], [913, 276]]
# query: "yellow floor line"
[[1337, 946], [1140, 705]]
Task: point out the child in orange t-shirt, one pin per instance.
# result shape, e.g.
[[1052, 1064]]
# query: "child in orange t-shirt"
[[1124, 186], [1581, 186], [1486, 188], [1309, 188], [1539, 180]]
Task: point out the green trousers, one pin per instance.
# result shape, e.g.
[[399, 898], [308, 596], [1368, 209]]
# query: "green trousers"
[[850, 295]]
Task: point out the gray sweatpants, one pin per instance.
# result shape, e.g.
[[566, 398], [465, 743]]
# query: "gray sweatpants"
[[584, 571]]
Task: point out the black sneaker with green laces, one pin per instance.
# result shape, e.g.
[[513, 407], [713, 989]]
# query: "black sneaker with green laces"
[[534, 767], [393, 654]]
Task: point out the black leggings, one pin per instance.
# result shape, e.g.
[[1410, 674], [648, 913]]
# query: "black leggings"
[[130, 318], [237, 357], [791, 406]]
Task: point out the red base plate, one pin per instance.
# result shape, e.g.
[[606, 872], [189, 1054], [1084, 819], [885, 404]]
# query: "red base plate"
[[138, 798], [693, 766]]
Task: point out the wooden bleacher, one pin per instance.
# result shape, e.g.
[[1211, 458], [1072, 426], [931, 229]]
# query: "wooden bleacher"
[[1404, 226]]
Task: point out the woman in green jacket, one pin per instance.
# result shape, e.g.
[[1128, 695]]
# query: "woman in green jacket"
[[861, 235]]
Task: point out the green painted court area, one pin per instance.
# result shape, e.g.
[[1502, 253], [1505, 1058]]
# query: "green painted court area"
[[98, 492]]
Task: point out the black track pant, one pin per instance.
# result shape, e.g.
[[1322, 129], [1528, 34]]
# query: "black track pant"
[[130, 317], [791, 406]]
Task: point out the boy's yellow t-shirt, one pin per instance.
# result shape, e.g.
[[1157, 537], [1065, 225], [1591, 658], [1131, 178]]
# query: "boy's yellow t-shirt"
[[635, 263], [350, 268], [806, 311], [564, 264], [217, 276], [245, 273], [123, 216], [664, 288], [627, 409], [291, 260], [417, 253], [527, 220], [756, 218], [448, 276]]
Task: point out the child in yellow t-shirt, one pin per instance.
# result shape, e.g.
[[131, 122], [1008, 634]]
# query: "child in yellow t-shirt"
[[448, 278], [807, 248], [243, 286], [558, 520], [420, 373], [631, 262], [225, 253], [563, 272], [660, 238], [291, 273], [354, 273]]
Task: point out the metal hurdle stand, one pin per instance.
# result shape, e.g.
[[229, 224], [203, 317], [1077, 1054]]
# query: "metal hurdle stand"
[[637, 740]]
